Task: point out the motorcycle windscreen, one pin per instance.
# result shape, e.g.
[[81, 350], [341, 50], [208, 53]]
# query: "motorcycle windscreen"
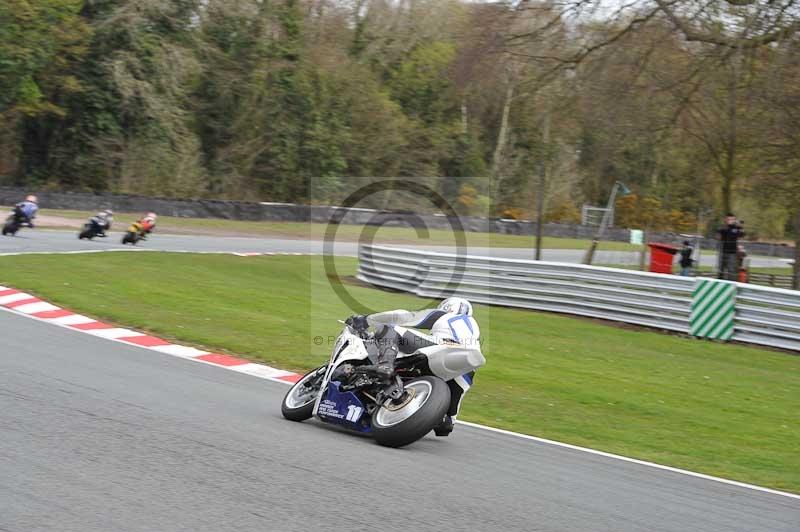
[[343, 408]]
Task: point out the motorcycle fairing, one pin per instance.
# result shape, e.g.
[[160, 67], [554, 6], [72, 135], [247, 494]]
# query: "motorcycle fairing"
[[343, 408], [448, 362], [348, 347]]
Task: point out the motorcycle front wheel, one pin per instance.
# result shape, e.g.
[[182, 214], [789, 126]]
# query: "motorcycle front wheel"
[[10, 228], [298, 404], [423, 408]]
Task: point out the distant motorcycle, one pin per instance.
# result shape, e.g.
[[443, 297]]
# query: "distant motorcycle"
[[90, 230], [396, 404], [134, 234]]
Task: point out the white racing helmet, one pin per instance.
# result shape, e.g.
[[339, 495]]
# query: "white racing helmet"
[[456, 305]]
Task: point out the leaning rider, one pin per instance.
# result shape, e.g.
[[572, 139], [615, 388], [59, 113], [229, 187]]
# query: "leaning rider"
[[101, 222], [451, 323], [147, 223], [25, 211]]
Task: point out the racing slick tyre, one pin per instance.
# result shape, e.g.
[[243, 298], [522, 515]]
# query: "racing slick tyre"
[[424, 407], [129, 238], [298, 403], [86, 233]]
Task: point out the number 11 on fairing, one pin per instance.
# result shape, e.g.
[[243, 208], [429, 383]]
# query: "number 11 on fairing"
[[353, 413]]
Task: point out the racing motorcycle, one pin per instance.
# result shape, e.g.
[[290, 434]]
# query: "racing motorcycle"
[[90, 230], [13, 223], [133, 234], [396, 403]]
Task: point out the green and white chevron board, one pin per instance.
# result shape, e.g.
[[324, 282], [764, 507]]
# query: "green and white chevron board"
[[713, 309]]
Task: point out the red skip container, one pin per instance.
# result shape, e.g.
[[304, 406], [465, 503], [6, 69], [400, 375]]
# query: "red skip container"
[[661, 257]]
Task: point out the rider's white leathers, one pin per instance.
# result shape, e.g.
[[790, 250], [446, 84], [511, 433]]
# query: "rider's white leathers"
[[445, 329]]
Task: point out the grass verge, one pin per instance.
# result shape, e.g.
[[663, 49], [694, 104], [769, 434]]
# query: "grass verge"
[[724, 410]]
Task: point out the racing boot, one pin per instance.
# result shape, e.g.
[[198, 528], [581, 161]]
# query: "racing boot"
[[388, 342], [445, 427]]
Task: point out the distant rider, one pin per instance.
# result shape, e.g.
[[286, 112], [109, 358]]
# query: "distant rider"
[[451, 323], [147, 223], [101, 222], [25, 211]]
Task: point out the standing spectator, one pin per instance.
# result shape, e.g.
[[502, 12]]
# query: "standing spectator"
[[686, 260], [729, 235]]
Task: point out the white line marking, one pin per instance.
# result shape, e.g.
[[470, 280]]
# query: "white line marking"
[[267, 374], [123, 250], [630, 460], [74, 252]]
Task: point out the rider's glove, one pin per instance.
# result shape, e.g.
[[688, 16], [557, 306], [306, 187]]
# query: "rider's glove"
[[358, 322]]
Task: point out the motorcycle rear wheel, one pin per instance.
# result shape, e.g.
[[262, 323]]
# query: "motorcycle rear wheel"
[[417, 416], [129, 237], [298, 403]]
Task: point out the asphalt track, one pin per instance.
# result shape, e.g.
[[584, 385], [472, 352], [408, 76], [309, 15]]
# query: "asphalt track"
[[61, 241], [100, 436]]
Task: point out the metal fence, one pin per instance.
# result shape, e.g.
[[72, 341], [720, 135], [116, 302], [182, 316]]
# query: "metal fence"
[[766, 279], [763, 315]]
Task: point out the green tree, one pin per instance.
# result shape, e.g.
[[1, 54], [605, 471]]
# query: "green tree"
[[40, 43], [127, 129]]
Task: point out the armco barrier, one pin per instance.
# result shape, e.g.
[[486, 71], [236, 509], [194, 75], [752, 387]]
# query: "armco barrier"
[[762, 315]]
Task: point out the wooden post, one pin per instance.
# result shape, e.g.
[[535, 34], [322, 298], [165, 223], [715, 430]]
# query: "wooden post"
[[543, 175], [643, 254]]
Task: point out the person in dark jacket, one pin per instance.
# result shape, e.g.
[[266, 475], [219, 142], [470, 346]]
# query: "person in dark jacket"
[[686, 260], [729, 235]]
